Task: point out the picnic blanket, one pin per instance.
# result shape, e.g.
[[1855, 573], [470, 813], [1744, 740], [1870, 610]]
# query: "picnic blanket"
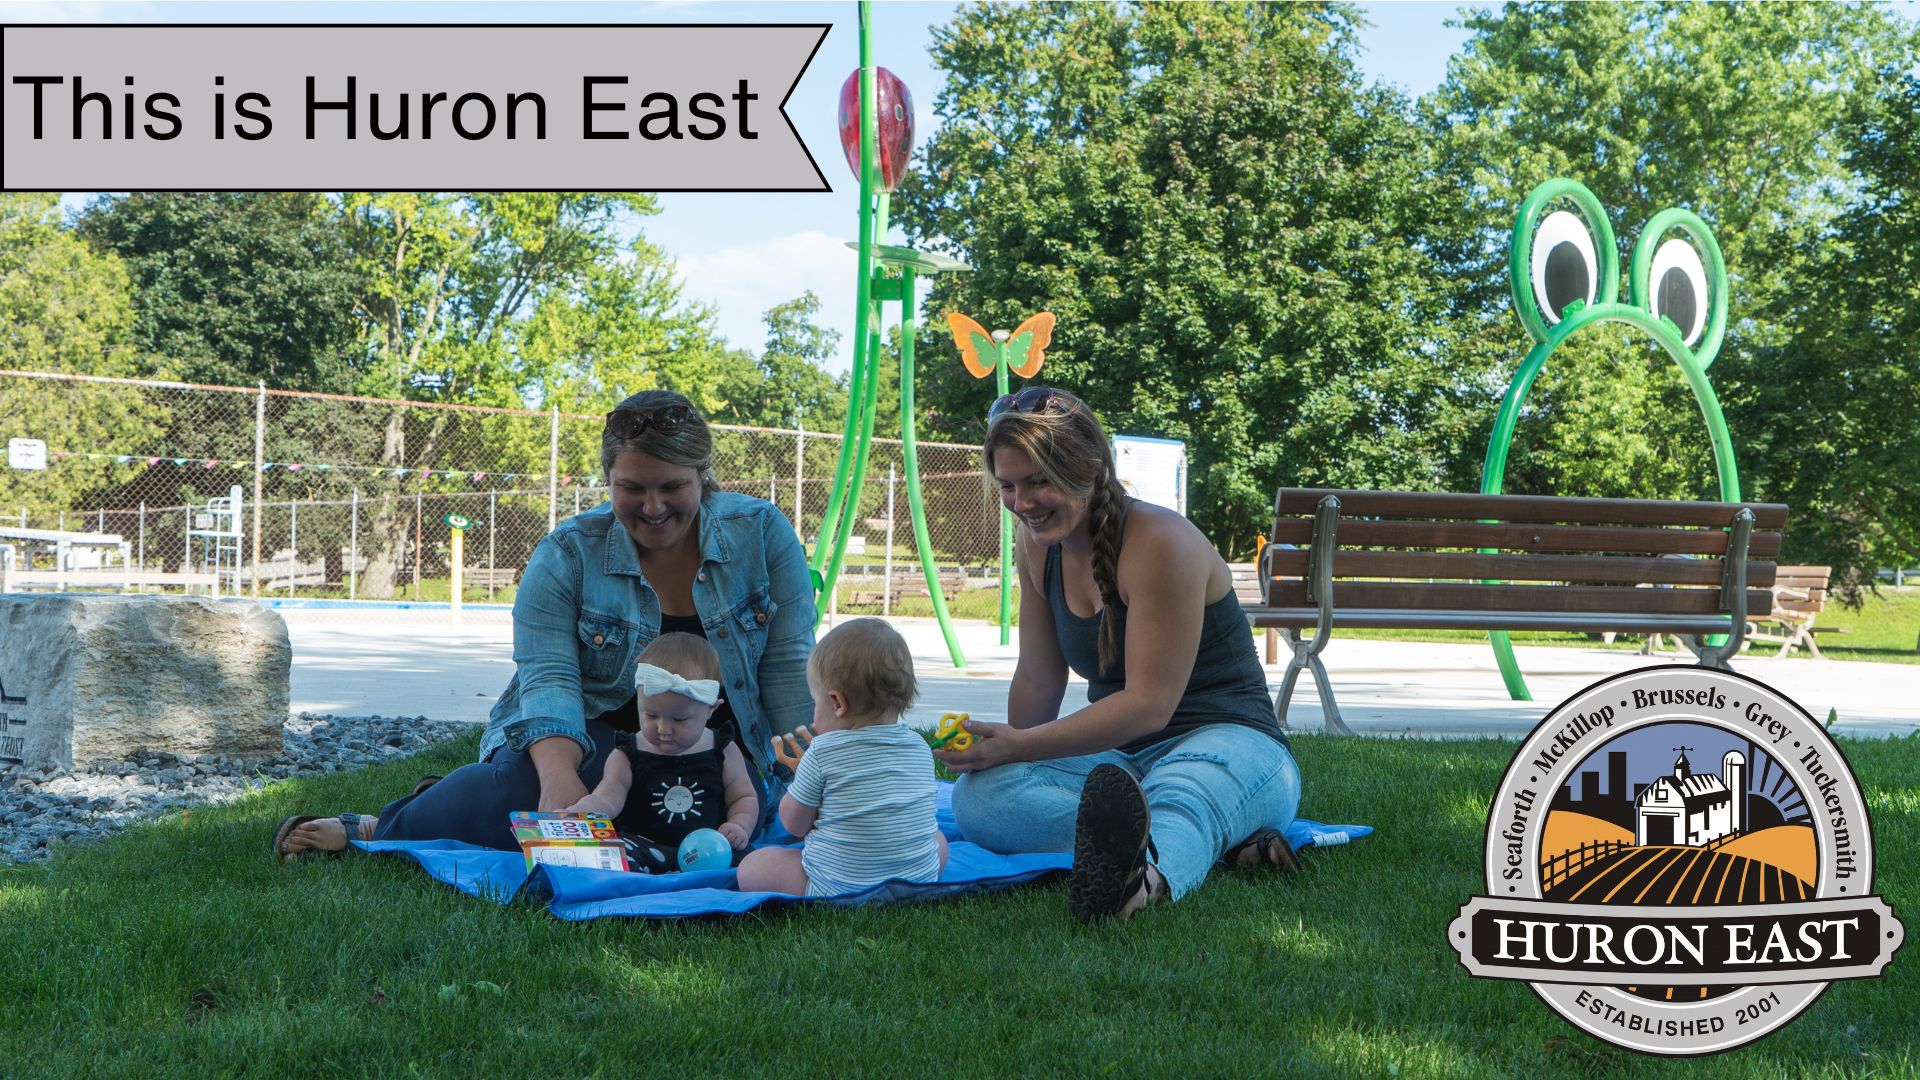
[[576, 893]]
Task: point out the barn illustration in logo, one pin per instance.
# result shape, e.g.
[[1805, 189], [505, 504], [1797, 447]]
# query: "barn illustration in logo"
[[1636, 823]]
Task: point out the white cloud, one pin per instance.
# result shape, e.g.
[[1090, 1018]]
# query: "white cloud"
[[744, 281]]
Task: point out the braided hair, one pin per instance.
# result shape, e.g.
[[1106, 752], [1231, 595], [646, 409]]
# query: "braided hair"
[[1068, 447]]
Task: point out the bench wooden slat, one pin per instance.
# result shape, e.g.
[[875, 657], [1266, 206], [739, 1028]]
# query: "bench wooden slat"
[[1811, 607], [1527, 508], [1299, 531], [1594, 569], [1375, 619], [1466, 597]]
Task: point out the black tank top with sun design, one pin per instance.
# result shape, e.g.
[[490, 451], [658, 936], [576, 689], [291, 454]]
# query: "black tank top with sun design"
[[672, 795]]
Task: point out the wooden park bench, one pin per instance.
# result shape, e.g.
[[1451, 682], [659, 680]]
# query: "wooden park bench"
[[1799, 594], [1410, 560], [1252, 593], [868, 592]]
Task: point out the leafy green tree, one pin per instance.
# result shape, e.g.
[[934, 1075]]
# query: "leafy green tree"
[[788, 383], [236, 287], [505, 299], [1226, 221], [1831, 416], [1735, 111], [63, 309]]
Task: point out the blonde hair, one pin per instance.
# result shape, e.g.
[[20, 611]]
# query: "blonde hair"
[[1068, 447], [869, 662], [686, 655]]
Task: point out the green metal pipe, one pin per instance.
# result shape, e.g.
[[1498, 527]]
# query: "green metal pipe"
[[828, 544], [916, 504]]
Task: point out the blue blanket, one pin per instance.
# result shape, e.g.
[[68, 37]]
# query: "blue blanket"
[[576, 893]]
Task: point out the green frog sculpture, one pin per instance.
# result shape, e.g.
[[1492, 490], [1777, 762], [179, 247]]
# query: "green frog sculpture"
[[1564, 270]]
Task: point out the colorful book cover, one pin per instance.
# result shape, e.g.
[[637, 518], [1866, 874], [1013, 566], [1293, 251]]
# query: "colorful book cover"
[[563, 838]]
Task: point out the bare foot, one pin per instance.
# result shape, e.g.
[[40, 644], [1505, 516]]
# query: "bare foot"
[[323, 834], [1152, 891]]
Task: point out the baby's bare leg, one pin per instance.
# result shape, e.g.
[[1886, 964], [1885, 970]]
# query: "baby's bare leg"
[[943, 849], [773, 869]]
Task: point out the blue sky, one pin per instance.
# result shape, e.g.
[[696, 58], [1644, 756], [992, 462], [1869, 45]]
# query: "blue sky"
[[742, 252]]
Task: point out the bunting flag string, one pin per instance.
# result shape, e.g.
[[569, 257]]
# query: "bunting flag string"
[[566, 479]]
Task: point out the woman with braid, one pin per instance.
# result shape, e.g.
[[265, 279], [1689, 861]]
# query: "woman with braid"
[[1176, 762]]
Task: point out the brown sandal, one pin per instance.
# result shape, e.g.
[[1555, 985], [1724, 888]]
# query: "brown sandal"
[[424, 783]]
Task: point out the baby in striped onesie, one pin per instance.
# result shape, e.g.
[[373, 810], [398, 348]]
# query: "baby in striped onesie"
[[862, 793]]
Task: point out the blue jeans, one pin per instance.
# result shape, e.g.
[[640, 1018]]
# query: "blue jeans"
[[1206, 791], [472, 803]]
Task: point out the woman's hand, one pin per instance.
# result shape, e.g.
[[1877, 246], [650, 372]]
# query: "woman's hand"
[[735, 835], [993, 744], [561, 792], [788, 749]]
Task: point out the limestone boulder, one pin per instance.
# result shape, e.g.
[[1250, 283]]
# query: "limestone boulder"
[[90, 677]]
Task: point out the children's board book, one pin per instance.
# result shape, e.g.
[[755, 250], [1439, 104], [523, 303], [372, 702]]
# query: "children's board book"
[[563, 838]]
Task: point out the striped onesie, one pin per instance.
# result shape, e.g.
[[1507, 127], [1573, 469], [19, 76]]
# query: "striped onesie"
[[874, 789]]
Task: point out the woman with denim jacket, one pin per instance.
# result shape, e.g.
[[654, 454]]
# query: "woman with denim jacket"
[[668, 551]]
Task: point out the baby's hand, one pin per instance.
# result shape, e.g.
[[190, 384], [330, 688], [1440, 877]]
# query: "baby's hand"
[[735, 835], [787, 749]]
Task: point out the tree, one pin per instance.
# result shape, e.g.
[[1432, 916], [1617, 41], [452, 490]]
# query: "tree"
[[1226, 222], [789, 384], [1733, 111], [504, 299], [63, 309], [1833, 411], [236, 287]]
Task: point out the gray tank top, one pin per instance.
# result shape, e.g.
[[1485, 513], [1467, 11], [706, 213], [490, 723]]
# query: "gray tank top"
[[1228, 685]]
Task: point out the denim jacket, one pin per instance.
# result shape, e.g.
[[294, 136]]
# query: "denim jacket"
[[585, 611]]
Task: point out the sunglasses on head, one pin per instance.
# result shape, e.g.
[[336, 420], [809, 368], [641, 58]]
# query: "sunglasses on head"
[[1034, 399], [665, 419]]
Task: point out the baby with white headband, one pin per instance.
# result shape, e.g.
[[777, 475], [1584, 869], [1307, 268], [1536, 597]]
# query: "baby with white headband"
[[676, 776]]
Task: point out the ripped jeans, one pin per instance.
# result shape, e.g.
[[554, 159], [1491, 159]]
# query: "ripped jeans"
[[1206, 791]]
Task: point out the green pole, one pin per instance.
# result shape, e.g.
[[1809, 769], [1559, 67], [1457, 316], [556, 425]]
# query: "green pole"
[[869, 122], [1006, 516], [916, 503]]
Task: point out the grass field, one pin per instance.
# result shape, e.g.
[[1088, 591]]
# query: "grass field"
[[179, 949]]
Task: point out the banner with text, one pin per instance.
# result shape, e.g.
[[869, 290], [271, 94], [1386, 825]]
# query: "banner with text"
[[315, 108]]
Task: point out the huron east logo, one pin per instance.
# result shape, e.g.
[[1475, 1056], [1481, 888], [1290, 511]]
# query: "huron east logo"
[[1678, 861]]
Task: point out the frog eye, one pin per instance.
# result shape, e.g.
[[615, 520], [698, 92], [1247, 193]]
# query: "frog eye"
[[1677, 289], [1564, 267]]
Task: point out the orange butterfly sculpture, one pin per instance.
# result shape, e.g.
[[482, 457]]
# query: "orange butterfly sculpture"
[[981, 352]]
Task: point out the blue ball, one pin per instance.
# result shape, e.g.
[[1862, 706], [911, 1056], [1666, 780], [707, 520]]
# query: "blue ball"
[[705, 849]]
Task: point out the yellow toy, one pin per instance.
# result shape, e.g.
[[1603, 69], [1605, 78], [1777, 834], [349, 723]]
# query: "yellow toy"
[[950, 735]]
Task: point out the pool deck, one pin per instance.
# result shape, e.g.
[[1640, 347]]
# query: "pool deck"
[[414, 663]]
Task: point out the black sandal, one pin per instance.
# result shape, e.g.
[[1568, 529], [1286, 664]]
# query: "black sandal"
[[1112, 844], [349, 822], [1274, 851]]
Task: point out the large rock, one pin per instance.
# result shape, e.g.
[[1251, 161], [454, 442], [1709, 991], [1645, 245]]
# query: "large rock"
[[85, 678]]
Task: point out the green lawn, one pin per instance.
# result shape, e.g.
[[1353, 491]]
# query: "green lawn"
[[178, 948]]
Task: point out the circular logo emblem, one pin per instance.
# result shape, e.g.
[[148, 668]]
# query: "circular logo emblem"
[[1678, 861]]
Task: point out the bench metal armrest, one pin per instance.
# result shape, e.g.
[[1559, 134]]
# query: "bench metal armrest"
[[1326, 523], [1733, 586]]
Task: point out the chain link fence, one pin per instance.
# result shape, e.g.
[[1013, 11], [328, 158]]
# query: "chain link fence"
[[348, 497]]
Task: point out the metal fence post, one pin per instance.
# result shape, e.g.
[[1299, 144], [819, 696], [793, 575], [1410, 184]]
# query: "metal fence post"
[[353, 546], [553, 471], [293, 542], [799, 476], [886, 583], [259, 472], [143, 541], [417, 560], [493, 506]]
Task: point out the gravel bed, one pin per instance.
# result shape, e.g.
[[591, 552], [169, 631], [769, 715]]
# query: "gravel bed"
[[38, 806]]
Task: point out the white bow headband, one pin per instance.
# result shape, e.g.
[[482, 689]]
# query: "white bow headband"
[[658, 680]]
